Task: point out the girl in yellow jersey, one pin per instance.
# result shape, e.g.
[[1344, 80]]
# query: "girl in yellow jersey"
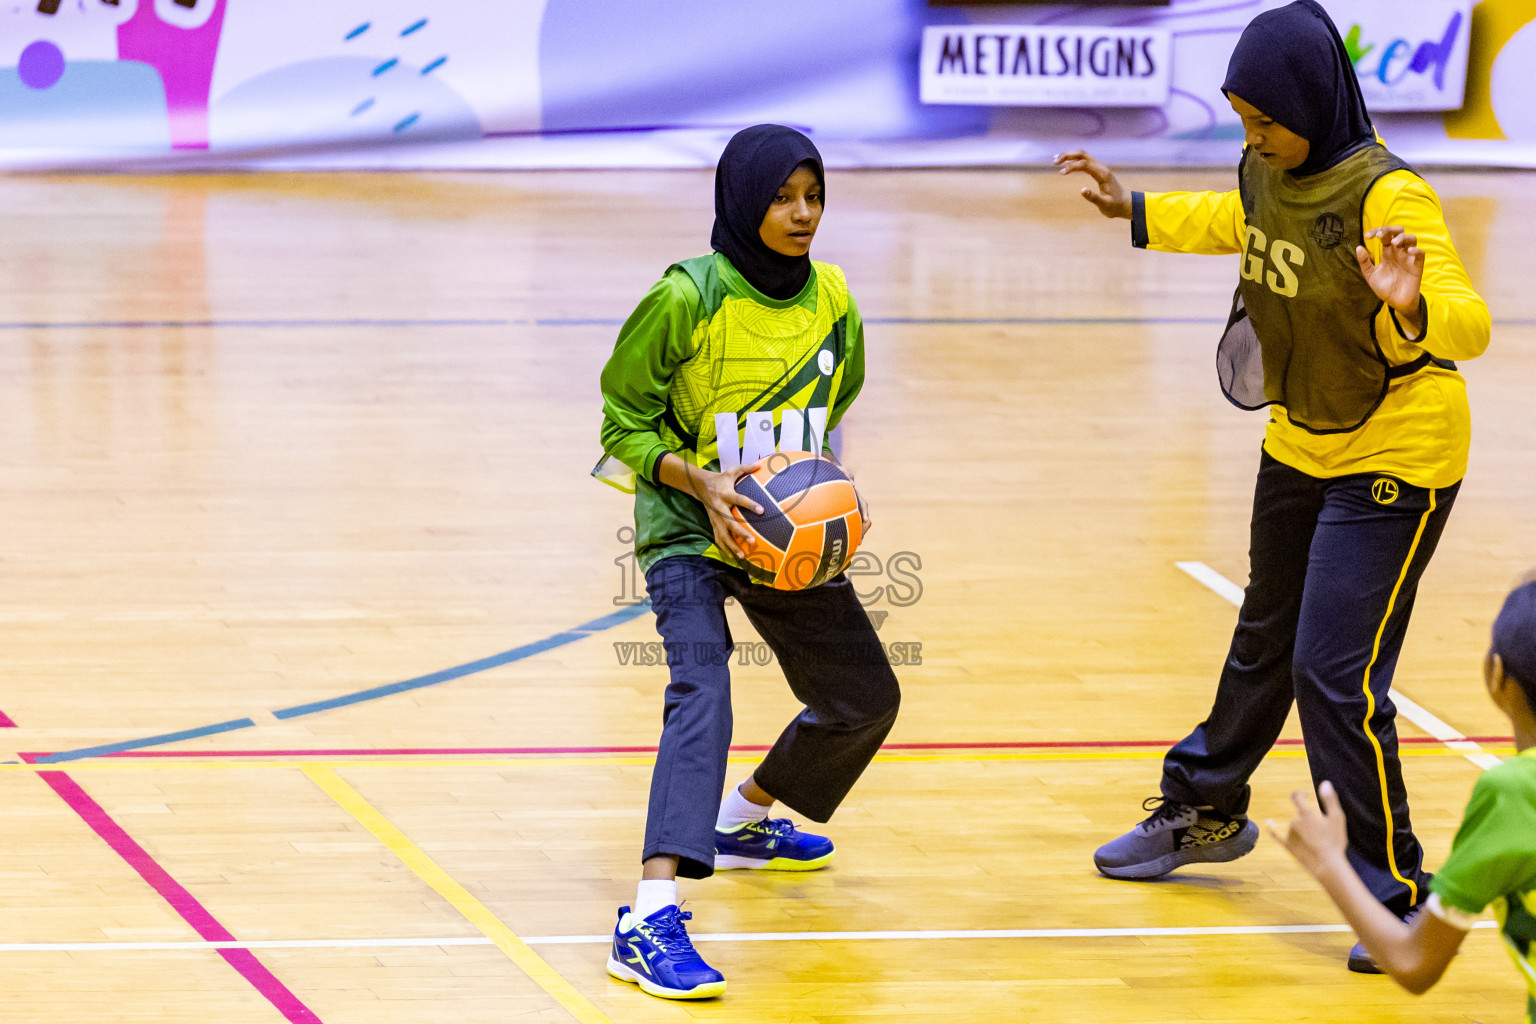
[[1351, 309]]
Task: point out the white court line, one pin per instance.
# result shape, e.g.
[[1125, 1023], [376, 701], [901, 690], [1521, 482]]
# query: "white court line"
[[1215, 580], [594, 940], [1411, 709]]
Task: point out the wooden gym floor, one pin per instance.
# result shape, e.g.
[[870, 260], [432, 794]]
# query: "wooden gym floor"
[[270, 444]]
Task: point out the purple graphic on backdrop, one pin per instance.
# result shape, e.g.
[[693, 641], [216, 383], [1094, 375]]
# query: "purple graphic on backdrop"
[[41, 65]]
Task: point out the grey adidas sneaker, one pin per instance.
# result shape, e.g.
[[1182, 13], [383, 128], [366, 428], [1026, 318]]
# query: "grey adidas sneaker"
[[1173, 835]]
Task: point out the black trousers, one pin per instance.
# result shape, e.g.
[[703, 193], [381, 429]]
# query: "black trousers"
[[1334, 568], [833, 662]]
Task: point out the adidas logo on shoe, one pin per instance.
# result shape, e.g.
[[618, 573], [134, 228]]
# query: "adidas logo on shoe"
[[1173, 835], [1206, 831]]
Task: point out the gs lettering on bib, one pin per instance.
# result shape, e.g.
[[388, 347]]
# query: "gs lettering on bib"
[[1280, 273], [1302, 334]]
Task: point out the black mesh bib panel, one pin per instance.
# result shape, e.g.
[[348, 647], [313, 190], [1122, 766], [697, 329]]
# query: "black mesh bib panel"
[[1302, 334]]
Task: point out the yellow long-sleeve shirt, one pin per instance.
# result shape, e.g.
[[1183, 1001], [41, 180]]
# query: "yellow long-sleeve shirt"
[[1422, 430]]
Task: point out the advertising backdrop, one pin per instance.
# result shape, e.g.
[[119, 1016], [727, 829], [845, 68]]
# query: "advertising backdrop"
[[595, 83]]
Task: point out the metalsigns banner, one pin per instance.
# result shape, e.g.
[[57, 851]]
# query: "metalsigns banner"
[[1023, 65]]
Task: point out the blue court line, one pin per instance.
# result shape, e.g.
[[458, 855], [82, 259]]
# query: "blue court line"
[[148, 741], [470, 668], [893, 321], [549, 643]]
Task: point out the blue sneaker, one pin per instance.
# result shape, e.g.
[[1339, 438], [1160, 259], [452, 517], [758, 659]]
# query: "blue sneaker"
[[657, 955], [773, 844]]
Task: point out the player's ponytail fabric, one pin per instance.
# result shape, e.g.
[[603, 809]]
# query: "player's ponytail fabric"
[[1291, 65], [756, 163]]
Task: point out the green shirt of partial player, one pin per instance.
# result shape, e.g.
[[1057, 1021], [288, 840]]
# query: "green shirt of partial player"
[[712, 370], [1493, 863]]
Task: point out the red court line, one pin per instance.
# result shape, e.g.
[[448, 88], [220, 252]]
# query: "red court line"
[[5, 721], [182, 901], [743, 747]]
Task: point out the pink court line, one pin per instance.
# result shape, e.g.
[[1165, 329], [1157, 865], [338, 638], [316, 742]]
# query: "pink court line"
[[183, 902], [745, 748], [5, 721]]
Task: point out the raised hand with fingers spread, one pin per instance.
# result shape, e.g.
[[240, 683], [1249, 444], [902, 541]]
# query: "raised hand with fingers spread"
[[1396, 279], [1111, 197]]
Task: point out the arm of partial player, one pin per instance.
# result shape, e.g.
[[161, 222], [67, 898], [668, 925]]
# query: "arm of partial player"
[[1457, 324], [654, 341]]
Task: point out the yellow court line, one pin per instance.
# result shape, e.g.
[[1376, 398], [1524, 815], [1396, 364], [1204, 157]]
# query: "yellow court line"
[[477, 913], [171, 764]]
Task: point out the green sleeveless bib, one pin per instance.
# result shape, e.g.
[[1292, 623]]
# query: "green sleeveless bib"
[[762, 375], [1302, 334], [766, 371]]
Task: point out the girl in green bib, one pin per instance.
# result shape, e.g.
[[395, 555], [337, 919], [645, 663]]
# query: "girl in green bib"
[[751, 349]]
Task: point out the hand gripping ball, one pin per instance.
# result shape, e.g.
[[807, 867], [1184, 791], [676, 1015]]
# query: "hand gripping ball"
[[810, 526]]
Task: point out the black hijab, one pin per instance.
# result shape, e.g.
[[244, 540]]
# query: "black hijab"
[[756, 163], [1291, 64]]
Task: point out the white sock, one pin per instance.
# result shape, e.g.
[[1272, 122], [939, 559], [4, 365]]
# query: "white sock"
[[736, 811], [653, 894]]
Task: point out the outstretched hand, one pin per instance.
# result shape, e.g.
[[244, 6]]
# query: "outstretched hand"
[[1111, 197], [1396, 279], [1316, 838]]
